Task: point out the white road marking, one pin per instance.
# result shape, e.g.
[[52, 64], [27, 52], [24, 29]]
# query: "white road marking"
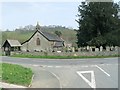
[[92, 84], [57, 79], [49, 66], [102, 70], [58, 66], [82, 66]]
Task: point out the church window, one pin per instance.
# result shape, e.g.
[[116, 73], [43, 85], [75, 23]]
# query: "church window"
[[38, 41]]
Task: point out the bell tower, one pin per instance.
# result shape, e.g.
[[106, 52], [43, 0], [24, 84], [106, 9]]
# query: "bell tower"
[[38, 26]]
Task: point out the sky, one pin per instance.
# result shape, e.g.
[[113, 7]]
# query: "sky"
[[20, 14]]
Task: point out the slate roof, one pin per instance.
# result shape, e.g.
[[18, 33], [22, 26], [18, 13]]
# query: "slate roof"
[[58, 44], [51, 37], [48, 36], [13, 43]]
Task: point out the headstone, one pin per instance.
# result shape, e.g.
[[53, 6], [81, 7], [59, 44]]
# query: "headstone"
[[91, 49], [116, 48], [111, 48], [79, 49], [101, 48], [73, 49], [96, 49], [88, 48], [107, 48]]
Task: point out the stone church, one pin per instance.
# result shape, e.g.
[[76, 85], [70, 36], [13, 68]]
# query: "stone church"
[[42, 41]]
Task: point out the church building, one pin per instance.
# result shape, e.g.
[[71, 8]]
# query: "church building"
[[42, 41]]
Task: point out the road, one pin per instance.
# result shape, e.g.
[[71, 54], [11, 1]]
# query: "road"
[[71, 73]]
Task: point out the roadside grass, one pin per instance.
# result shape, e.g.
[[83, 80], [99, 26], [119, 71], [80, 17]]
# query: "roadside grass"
[[60, 57], [16, 74], [0, 72]]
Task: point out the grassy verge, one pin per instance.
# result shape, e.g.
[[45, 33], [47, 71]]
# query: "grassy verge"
[[16, 74], [60, 57], [0, 72]]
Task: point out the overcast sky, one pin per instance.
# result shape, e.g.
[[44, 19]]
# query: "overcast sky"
[[16, 14]]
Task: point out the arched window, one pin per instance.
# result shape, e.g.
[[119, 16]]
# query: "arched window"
[[38, 41]]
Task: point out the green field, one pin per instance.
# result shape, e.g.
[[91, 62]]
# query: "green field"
[[16, 74]]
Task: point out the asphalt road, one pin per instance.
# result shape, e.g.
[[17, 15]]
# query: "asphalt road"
[[71, 73]]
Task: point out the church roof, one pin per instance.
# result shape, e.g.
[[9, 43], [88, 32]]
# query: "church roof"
[[51, 37], [59, 44]]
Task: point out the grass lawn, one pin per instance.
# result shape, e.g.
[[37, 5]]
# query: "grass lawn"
[[16, 74], [59, 57]]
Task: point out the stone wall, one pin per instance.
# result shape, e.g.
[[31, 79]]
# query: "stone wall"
[[103, 53], [95, 49]]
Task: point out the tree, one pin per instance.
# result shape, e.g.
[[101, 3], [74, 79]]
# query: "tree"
[[96, 20], [58, 33]]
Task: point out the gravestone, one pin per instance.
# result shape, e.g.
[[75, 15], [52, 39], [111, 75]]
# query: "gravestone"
[[101, 48], [116, 48], [91, 49], [96, 49], [88, 48], [79, 49], [107, 48], [73, 49], [111, 48]]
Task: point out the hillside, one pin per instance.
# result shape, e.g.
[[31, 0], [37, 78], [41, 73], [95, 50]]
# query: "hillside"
[[22, 34]]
